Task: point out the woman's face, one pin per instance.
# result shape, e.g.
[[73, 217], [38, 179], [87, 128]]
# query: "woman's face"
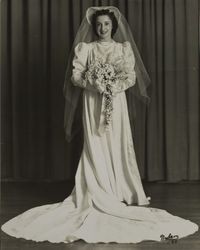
[[104, 27]]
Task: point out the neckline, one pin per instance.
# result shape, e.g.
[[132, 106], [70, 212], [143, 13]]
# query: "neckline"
[[104, 42]]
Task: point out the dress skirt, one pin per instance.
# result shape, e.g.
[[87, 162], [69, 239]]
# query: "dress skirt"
[[106, 204]]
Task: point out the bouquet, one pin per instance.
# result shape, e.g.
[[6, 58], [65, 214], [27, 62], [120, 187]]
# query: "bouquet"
[[104, 76]]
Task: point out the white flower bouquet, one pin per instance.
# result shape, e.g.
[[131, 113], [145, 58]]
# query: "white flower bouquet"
[[104, 76]]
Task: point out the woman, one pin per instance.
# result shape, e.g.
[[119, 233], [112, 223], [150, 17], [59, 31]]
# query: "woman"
[[108, 201]]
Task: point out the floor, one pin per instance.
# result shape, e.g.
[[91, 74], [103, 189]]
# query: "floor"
[[182, 199]]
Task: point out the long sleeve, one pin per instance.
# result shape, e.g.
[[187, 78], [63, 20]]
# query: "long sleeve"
[[122, 85], [80, 66]]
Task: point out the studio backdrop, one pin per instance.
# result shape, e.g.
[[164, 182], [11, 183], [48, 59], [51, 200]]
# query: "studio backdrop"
[[36, 40]]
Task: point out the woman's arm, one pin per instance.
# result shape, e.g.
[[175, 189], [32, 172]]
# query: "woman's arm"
[[80, 66], [130, 79]]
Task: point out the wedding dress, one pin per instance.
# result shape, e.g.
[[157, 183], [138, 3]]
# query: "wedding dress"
[[105, 204]]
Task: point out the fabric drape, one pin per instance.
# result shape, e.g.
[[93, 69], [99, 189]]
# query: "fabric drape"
[[36, 42]]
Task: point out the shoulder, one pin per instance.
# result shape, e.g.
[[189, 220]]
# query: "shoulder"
[[127, 51], [126, 48], [126, 45], [82, 47]]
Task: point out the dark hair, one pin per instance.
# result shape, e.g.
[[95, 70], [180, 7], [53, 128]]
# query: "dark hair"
[[106, 13]]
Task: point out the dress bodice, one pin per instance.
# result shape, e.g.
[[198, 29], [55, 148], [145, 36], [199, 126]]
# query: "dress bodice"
[[108, 52]]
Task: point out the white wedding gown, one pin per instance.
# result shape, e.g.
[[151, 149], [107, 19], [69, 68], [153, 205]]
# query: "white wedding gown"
[[107, 177]]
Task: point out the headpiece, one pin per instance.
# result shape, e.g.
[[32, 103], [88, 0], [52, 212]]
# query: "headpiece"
[[90, 12]]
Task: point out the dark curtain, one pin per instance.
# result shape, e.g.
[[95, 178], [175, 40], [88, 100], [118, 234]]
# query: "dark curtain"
[[36, 39]]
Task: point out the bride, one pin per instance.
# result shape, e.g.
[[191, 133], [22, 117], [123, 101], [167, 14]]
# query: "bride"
[[108, 203]]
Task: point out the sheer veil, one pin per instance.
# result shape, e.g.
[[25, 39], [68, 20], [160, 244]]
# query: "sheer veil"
[[73, 105]]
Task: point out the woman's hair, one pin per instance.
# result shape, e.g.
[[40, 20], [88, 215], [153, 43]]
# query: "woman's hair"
[[108, 13]]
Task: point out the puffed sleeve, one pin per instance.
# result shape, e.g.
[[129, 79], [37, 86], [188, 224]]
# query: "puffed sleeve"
[[80, 64], [129, 58]]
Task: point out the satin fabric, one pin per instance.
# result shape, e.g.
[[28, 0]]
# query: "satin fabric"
[[106, 202]]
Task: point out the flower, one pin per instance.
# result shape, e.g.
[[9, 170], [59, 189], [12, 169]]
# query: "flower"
[[104, 76]]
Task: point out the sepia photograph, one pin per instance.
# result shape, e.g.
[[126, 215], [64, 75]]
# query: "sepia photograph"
[[100, 125]]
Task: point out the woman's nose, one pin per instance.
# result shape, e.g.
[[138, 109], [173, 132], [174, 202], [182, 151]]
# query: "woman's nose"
[[103, 28]]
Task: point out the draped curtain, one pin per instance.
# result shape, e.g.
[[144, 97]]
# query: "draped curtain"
[[36, 39]]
